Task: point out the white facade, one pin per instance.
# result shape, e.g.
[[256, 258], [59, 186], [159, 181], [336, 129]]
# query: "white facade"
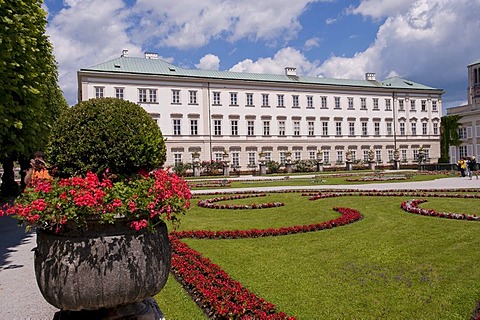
[[244, 114], [469, 128]]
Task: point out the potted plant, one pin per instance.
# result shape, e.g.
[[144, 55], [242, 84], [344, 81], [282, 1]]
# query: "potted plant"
[[102, 239]]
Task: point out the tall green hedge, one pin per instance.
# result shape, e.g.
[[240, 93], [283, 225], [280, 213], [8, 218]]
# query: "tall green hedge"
[[105, 133]]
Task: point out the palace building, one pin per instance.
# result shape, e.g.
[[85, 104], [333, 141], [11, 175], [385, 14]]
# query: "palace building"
[[245, 114], [469, 123]]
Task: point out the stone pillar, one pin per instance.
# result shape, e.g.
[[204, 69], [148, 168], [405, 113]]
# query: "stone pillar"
[[319, 166], [396, 164], [226, 169], [371, 165], [349, 166], [262, 168]]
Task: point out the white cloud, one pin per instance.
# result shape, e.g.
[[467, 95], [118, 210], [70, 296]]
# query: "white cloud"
[[85, 33], [170, 24], [286, 57], [209, 62], [311, 43], [431, 42], [377, 9]]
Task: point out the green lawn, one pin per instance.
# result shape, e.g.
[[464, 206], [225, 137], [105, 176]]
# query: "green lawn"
[[390, 265]]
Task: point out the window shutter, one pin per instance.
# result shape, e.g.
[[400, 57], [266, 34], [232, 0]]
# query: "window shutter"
[[469, 132], [477, 131], [469, 150]]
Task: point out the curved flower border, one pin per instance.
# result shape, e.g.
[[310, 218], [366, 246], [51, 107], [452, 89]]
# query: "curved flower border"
[[222, 297], [209, 203], [412, 207]]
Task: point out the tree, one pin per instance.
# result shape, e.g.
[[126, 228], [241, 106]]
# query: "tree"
[[449, 136], [30, 99]]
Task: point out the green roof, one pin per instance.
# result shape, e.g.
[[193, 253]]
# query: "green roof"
[[132, 65]]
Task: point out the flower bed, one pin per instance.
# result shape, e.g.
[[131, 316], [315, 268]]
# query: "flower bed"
[[209, 203], [221, 297], [412, 207]]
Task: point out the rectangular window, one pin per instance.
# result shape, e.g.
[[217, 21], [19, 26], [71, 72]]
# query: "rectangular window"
[[249, 97], [424, 105], [402, 128], [434, 105], [354, 154], [281, 128], [326, 156], [268, 156], [175, 96], [435, 128], [281, 157], [312, 155], [251, 158], [338, 128], [311, 128], [337, 102], [216, 98], [389, 129], [324, 102], [350, 103], [351, 129], [177, 127], [412, 105], [99, 92], [119, 93], [401, 105], [424, 128], [309, 101], [194, 127], [462, 133], [324, 128], [152, 95], [218, 156], [365, 155], [375, 104], [339, 156], [234, 127], [296, 128], [280, 100], [390, 155], [403, 153], [217, 127], [142, 95], [463, 152], [266, 128], [363, 103], [297, 155], [364, 129], [250, 128], [192, 97], [414, 128], [295, 101], [235, 159], [378, 155], [265, 102], [233, 99], [376, 127], [177, 158], [388, 105]]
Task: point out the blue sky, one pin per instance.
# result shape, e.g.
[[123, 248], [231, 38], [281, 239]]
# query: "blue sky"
[[426, 41]]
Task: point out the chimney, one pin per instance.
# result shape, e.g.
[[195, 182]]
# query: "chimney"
[[124, 53], [151, 55], [290, 71], [370, 76]]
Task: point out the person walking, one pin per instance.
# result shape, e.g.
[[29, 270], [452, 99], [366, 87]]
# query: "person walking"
[[462, 166], [472, 167]]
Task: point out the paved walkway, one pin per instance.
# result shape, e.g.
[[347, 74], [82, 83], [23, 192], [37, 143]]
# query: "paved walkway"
[[21, 299]]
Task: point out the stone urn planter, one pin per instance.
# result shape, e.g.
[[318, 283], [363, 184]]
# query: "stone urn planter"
[[107, 267]]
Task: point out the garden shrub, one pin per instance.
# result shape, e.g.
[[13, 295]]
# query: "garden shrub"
[[273, 166], [105, 133]]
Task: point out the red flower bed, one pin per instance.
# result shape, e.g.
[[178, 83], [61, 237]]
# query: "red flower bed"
[[412, 207], [209, 203], [220, 296]]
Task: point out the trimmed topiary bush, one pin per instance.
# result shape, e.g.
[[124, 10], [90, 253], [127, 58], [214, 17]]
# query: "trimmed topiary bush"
[[106, 133]]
